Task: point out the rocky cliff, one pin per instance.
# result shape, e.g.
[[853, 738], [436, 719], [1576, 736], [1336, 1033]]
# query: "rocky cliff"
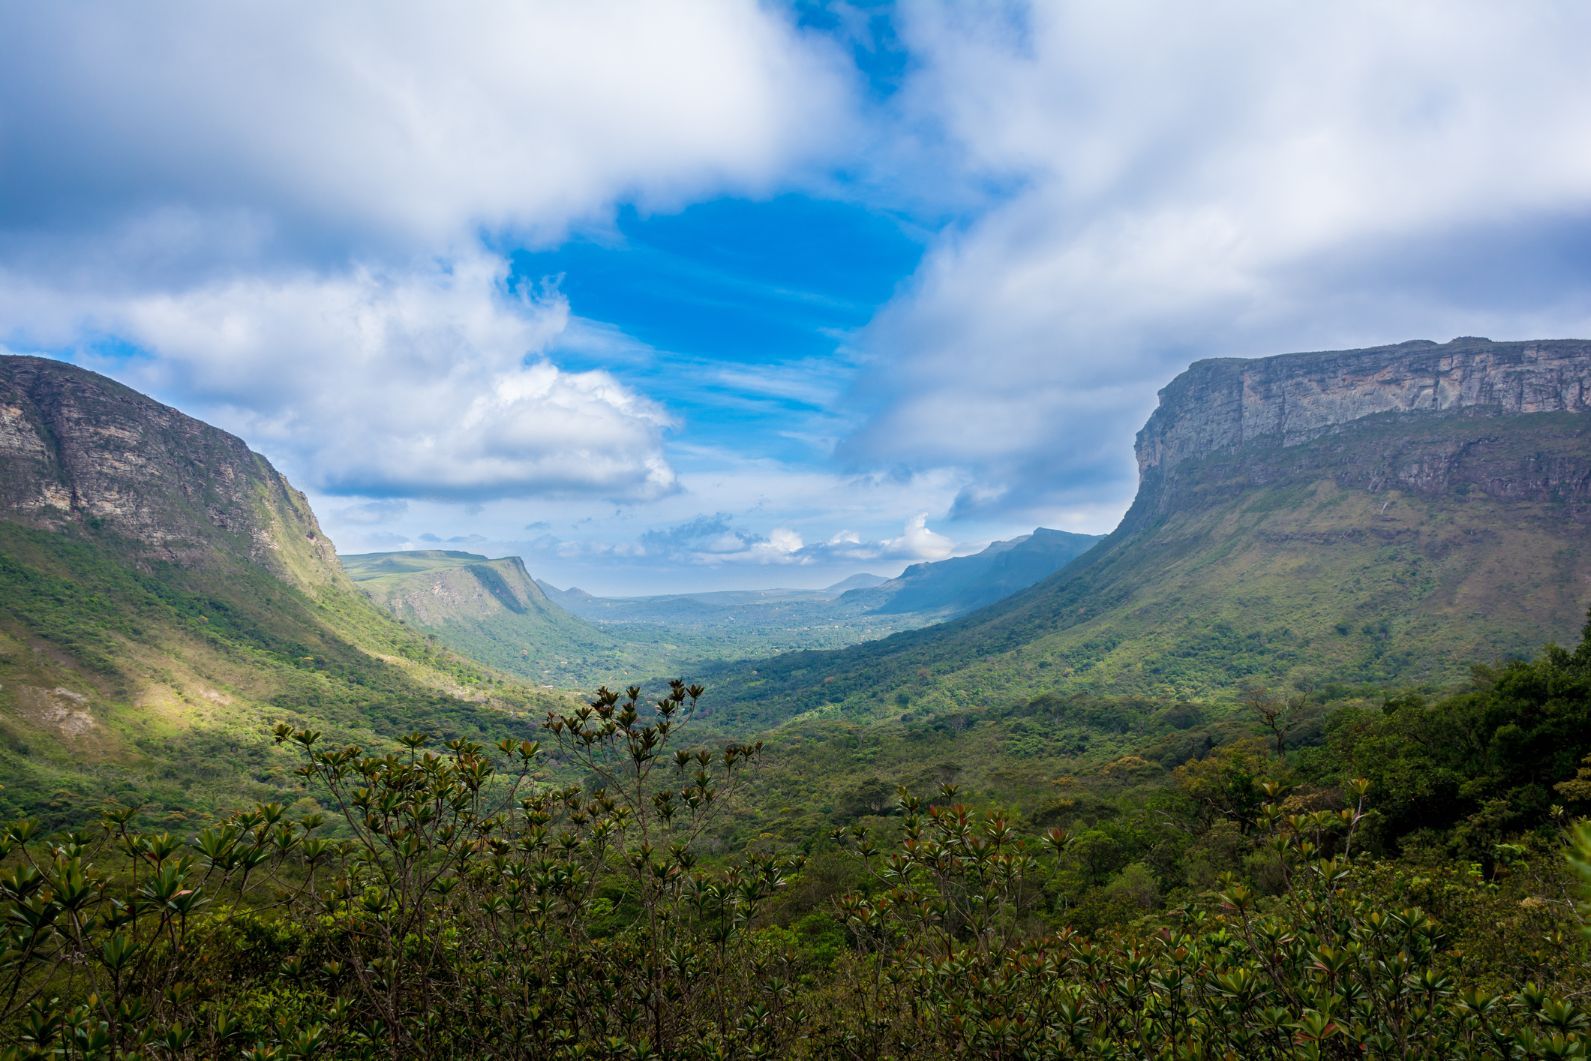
[[166, 597], [80, 450], [1502, 419], [1366, 518], [1224, 403]]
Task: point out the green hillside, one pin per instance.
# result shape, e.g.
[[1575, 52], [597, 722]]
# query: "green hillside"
[[1335, 562], [159, 682], [167, 598], [493, 611]]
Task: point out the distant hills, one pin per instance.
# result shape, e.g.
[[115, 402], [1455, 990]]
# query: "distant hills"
[[967, 583], [1375, 516], [494, 611], [861, 581], [167, 597]]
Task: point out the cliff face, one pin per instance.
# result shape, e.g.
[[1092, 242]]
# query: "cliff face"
[[1370, 517], [79, 449], [1225, 403], [1498, 418]]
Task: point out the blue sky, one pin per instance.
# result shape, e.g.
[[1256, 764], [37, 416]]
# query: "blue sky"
[[684, 295]]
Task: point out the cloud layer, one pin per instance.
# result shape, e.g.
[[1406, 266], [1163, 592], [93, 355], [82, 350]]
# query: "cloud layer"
[[294, 220], [405, 384], [1222, 179], [286, 130]]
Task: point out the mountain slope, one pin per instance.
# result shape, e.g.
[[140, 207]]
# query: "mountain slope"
[[493, 611], [1384, 515], [168, 596], [967, 583]]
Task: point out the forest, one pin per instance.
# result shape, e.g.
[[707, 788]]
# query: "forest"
[[1411, 878]]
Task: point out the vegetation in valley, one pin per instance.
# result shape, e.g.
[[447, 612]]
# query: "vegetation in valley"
[[493, 611], [1396, 877]]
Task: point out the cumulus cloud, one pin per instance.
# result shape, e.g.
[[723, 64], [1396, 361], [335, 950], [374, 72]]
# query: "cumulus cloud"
[[186, 134], [293, 214], [413, 383], [1236, 178], [918, 542]]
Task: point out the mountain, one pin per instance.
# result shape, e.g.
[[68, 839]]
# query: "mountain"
[[1368, 516], [967, 583], [858, 581], [168, 597], [84, 453], [493, 611]]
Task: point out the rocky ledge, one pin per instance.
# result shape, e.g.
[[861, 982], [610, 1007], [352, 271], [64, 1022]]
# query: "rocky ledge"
[[1225, 403]]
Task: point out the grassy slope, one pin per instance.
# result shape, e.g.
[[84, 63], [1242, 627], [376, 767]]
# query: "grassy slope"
[[121, 677], [1274, 571]]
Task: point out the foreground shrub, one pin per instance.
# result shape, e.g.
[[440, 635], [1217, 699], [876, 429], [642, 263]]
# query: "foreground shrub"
[[459, 905]]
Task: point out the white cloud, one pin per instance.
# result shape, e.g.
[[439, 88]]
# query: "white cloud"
[[918, 542], [413, 383], [176, 133], [288, 208], [373, 513], [1231, 178]]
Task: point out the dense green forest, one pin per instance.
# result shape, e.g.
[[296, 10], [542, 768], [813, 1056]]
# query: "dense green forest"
[[1398, 877]]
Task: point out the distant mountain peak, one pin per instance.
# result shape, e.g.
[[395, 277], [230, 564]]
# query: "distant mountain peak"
[[857, 581], [965, 583]]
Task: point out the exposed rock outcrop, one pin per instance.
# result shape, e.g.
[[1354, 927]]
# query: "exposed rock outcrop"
[[1225, 403], [79, 449], [1501, 419]]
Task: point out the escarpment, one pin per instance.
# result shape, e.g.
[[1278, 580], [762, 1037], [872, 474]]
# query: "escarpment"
[[78, 450], [1503, 419]]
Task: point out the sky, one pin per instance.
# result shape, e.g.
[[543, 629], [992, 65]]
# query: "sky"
[[667, 296]]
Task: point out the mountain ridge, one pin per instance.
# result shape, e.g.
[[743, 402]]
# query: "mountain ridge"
[[963, 584], [81, 449], [168, 597], [1391, 547]]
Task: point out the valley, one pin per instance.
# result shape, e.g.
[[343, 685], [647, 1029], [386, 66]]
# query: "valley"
[[1338, 577], [494, 611], [168, 597], [795, 529]]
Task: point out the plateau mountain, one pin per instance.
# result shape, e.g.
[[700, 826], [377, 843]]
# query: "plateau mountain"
[[1378, 516]]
